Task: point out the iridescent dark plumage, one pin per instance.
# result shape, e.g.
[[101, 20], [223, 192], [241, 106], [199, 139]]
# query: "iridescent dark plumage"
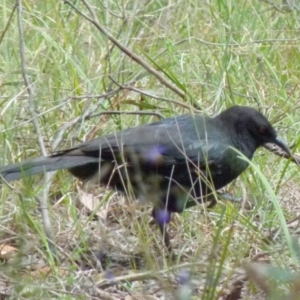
[[173, 163]]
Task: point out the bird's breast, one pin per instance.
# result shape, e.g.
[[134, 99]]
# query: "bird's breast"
[[227, 168]]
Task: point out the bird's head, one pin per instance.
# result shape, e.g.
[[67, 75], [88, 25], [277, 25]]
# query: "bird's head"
[[247, 119]]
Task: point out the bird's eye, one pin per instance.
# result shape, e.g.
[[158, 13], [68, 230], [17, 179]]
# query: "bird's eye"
[[262, 130]]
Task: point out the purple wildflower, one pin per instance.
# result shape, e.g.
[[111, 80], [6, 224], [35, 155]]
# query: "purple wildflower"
[[183, 277], [155, 153], [162, 216], [109, 275]]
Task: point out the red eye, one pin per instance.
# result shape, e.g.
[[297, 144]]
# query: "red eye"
[[262, 130]]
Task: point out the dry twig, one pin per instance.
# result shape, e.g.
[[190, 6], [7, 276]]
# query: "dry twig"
[[43, 201], [94, 20]]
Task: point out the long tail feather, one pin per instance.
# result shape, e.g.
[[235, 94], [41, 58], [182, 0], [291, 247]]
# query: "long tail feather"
[[44, 164]]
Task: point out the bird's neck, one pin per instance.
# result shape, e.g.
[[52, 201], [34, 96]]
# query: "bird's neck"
[[246, 144]]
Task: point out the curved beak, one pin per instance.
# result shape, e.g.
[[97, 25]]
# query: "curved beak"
[[283, 146]]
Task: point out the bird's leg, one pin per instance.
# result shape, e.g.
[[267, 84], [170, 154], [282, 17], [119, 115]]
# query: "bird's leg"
[[166, 237], [162, 217]]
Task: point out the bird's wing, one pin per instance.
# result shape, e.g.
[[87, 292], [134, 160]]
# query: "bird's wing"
[[171, 141]]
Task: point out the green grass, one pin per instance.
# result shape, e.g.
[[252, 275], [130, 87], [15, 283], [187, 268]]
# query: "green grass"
[[219, 53]]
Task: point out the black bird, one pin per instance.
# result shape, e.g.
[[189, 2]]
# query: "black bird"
[[173, 163]]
